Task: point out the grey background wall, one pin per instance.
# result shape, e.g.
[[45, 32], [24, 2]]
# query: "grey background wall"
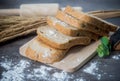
[[86, 4]]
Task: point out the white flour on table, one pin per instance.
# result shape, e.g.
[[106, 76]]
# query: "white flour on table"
[[116, 57], [92, 69], [13, 72], [20, 72]]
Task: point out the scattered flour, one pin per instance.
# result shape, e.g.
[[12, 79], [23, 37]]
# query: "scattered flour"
[[20, 71], [62, 61], [116, 57], [47, 73], [2, 57], [93, 70], [14, 72], [17, 72], [61, 76], [46, 53], [80, 79], [78, 60]]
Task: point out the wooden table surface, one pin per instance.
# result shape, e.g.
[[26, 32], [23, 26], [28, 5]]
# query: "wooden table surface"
[[108, 68]]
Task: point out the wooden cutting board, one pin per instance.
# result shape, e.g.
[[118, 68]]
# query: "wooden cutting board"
[[76, 57]]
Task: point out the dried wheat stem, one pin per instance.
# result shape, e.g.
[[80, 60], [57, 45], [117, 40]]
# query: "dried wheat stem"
[[17, 35], [21, 29]]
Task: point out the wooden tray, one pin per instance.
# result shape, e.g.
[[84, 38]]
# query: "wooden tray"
[[76, 57]]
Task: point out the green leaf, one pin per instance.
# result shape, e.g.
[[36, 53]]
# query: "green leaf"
[[104, 48], [105, 41]]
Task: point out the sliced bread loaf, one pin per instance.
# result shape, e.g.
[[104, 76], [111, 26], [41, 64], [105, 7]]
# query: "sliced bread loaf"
[[69, 30], [90, 19], [80, 24], [41, 52], [58, 40]]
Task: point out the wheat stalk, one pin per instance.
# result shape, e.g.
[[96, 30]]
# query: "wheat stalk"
[[14, 26]]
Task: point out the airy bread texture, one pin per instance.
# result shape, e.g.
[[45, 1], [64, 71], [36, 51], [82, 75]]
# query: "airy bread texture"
[[80, 24], [90, 19], [58, 40], [41, 52], [69, 30]]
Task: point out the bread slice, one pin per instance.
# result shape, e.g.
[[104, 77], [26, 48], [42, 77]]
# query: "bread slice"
[[41, 52], [69, 30], [58, 40], [90, 19], [62, 26], [80, 24]]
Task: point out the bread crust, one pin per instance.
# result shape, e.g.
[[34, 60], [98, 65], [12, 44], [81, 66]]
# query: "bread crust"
[[90, 19], [56, 56], [80, 24]]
